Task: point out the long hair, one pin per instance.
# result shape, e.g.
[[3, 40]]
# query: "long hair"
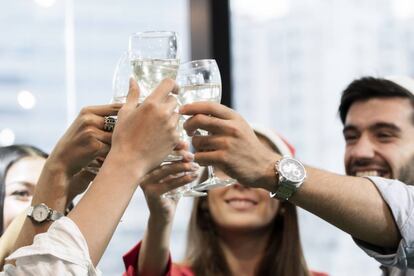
[[8, 156], [283, 255]]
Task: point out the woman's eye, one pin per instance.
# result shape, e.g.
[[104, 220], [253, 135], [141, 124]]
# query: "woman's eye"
[[21, 194]]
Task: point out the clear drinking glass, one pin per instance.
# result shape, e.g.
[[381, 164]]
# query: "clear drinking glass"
[[120, 87], [120, 81], [200, 80], [154, 56]]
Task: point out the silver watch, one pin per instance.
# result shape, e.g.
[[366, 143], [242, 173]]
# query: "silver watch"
[[41, 213], [291, 174]]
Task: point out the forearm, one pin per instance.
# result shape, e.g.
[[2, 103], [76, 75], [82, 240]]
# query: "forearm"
[[155, 247], [54, 196], [99, 211], [352, 204]]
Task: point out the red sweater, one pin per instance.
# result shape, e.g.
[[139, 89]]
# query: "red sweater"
[[172, 269]]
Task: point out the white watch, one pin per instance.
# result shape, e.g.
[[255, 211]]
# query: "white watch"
[[41, 213], [291, 175]]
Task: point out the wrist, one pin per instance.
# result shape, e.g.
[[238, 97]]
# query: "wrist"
[[158, 222], [52, 187], [270, 178], [57, 163], [126, 169]]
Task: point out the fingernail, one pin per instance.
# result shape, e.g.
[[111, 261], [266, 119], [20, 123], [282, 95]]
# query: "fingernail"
[[193, 175], [189, 156], [194, 166], [177, 175]]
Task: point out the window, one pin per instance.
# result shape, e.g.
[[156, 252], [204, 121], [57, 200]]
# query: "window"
[[39, 65], [301, 55]]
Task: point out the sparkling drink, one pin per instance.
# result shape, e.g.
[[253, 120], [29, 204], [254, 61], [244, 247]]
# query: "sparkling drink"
[[150, 72], [199, 93]]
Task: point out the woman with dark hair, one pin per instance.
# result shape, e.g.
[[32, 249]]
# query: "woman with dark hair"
[[234, 231], [20, 168]]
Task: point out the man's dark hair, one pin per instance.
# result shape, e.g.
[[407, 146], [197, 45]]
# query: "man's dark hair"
[[369, 87]]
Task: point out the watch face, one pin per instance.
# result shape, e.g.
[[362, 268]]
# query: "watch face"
[[40, 213], [292, 170]]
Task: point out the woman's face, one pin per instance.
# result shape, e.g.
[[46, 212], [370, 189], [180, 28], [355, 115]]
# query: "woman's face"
[[240, 208], [20, 182]]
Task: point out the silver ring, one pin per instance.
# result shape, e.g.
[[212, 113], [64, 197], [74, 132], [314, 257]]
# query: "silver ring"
[[109, 123]]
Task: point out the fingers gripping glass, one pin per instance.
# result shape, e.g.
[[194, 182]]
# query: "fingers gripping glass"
[[200, 81], [151, 57]]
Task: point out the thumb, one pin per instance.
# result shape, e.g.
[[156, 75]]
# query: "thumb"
[[133, 93]]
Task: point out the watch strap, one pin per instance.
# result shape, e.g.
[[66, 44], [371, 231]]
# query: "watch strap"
[[284, 191], [54, 215], [285, 187], [29, 211]]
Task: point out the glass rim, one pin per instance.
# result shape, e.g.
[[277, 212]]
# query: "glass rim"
[[154, 34]]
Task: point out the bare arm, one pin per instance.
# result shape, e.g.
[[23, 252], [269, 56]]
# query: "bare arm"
[[52, 195], [353, 204], [133, 154], [350, 203], [62, 178], [155, 247]]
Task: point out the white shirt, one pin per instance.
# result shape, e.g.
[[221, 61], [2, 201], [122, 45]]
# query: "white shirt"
[[62, 250], [400, 199]]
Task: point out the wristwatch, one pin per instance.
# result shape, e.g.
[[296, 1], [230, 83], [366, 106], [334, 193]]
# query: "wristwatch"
[[41, 213], [291, 174]]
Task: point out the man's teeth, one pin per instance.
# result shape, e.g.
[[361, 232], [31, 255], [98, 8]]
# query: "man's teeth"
[[368, 173]]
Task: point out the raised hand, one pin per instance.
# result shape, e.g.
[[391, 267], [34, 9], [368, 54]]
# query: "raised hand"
[[85, 140], [165, 178], [149, 130], [232, 144]]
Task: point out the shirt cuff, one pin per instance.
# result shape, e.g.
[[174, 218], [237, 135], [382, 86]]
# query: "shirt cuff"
[[63, 240]]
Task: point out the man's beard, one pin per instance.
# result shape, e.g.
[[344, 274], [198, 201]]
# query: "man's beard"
[[406, 173]]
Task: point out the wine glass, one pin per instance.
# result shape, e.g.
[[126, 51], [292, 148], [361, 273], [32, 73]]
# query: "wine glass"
[[120, 87], [199, 81], [153, 57], [120, 80]]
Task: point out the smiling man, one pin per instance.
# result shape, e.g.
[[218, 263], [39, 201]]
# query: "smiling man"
[[378, 118], [378, 212]]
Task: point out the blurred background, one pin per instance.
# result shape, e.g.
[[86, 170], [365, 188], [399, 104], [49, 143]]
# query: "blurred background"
[[284, 64]]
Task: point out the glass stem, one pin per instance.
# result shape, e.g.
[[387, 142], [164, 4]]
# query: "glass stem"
[[211, 172]]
